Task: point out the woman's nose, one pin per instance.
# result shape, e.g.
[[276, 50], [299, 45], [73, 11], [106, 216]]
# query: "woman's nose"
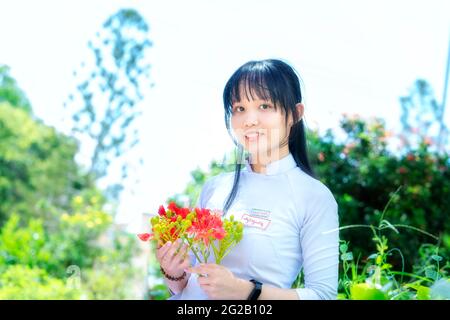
[[251, 120]]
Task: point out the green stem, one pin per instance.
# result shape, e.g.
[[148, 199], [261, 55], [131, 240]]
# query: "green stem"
[[389, 202], [193, 250], [412, 275], [416, 229], [216, 253]]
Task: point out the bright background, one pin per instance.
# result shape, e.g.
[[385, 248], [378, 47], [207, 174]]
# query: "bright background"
[[353, 57]]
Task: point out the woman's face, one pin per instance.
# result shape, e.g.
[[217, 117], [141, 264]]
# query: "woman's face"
[[260, 128]]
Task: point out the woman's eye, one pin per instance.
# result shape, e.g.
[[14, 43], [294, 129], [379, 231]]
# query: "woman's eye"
[[265, 106], [239, 109]]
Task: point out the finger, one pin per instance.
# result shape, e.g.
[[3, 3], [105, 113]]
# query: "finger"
[[163, 251], [183, 254], [205, 281], [206, 268], [179, 246], [171, 253], [166, 256], [185, 265], [199, 269]]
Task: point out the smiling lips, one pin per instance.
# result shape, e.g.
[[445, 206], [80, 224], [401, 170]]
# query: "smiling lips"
[[252, 136]]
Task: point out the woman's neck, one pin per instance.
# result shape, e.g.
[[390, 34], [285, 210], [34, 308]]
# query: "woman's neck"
[[259, 162]]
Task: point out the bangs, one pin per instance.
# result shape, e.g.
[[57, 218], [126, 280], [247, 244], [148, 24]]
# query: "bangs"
[[255, 80]]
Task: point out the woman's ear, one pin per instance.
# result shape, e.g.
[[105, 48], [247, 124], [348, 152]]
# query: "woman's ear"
[[301, 109]]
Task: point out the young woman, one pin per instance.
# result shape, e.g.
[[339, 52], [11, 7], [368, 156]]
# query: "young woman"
[[290, 217]]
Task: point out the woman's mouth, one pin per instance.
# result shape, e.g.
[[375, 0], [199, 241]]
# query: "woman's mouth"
[[251, 137]]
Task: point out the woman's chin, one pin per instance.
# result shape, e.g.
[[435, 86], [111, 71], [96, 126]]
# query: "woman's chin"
[[257, 153], [253, 150]]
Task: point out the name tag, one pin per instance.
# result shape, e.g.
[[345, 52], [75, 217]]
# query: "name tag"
[[255, 221]]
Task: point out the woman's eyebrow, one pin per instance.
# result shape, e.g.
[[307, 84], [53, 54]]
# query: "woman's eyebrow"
[[264, 101], [254, 100]]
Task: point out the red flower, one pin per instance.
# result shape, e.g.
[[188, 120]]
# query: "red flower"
[[402, 170], [207, 226], [172, 207], [321, 156], [219, 233], [144, 236], [162, 211], [183, 212]]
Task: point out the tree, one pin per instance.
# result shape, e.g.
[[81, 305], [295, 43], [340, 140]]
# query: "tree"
[[10, 91], [53, 219], [421, 117], [37, 166], [107, 97]]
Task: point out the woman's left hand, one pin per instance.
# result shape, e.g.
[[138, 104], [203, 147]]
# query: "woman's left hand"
[[220, 283]]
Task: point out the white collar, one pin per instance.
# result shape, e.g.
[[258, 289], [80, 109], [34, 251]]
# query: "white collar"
[[275, 167]]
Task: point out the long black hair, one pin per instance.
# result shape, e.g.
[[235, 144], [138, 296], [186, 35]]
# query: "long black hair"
[[278, 82]]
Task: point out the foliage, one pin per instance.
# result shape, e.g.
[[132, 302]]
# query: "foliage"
[[364, 175], [39, 173], [79, 242], [378, 280], [10, 92], [112, 276], [23, 245], [16, 280], [76, 240], [53, 220]]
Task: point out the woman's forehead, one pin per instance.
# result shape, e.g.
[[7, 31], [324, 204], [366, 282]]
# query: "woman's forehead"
[[244, 99], [250, 93]]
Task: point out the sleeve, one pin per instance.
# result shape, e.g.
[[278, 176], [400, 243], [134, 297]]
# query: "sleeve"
[[320, 249]]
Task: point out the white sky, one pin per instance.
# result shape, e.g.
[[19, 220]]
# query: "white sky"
[[353, 56]]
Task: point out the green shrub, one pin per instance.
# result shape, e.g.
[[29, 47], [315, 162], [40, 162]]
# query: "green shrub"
[[364, 172], [19, 282], [23, 245]]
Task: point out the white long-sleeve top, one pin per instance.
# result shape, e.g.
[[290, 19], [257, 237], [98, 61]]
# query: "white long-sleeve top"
[[290, 222]]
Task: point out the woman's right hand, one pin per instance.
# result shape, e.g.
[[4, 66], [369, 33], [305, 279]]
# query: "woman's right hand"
[[173, 258]]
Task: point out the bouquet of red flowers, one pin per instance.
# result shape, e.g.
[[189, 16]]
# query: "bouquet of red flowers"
[[203, 230]]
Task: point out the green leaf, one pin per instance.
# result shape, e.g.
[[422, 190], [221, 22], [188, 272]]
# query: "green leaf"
[[364, 291], [388, 225], [372, 256], [430, 273], [343, 248], [348, 256], [423, 293]]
